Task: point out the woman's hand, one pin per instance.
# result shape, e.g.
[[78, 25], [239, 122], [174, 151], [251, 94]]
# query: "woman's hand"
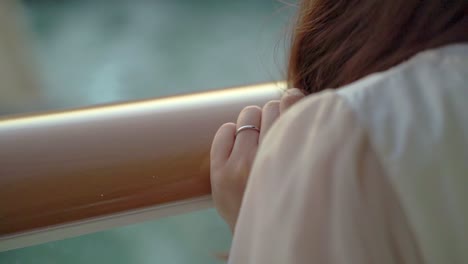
[[232, 156]]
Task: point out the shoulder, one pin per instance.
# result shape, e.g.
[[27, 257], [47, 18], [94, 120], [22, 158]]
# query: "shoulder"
[[402, 109], [416, 119], [413, 108], [418, 95]]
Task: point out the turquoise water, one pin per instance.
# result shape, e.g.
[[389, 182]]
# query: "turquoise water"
[[93, 52], [189, 238]]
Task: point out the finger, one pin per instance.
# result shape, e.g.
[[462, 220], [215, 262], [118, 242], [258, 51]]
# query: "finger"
[[290, 97], [270, 113], [223, 143], [247, 140]]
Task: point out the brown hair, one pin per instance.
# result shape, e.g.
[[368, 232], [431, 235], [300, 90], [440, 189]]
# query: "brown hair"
[[336, 42]]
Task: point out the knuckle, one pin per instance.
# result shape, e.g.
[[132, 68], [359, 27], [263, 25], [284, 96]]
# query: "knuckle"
[[291, 96], [271, 105], [227, 126], [293, 93], [228, 180], [251, 108], [290, 100], [238, 168]]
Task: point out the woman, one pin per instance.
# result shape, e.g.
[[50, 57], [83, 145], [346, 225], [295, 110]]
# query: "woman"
[[372, 166]]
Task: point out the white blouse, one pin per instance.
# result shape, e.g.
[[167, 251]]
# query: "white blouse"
[[375, 172]]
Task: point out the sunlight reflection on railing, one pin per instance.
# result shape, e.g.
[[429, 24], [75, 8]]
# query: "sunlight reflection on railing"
[[73, 168]]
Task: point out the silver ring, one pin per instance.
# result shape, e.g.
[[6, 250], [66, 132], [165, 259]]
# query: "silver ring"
[[242, 128]]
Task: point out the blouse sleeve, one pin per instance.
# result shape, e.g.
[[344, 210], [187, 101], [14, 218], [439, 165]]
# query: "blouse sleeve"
[[318, 194]]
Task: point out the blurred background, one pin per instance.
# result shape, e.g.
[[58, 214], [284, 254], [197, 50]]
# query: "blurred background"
[[89, 52], [82, 53]]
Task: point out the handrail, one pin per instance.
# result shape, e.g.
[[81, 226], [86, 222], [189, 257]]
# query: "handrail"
[[61, 169]]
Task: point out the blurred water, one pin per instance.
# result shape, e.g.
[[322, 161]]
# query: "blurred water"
[[93, 52], [190, 238]]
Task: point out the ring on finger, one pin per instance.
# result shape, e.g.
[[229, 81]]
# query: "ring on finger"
[[247, 127]]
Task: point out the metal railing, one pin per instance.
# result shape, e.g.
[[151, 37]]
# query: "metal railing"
[[69, 173]]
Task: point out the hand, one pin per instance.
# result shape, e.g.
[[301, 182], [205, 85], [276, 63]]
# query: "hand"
[[232, 156]]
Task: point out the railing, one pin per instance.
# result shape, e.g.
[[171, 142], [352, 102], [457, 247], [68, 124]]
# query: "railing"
[[81, 171]]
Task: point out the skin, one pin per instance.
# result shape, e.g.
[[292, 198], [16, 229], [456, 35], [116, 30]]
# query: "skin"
[[232, 157]]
